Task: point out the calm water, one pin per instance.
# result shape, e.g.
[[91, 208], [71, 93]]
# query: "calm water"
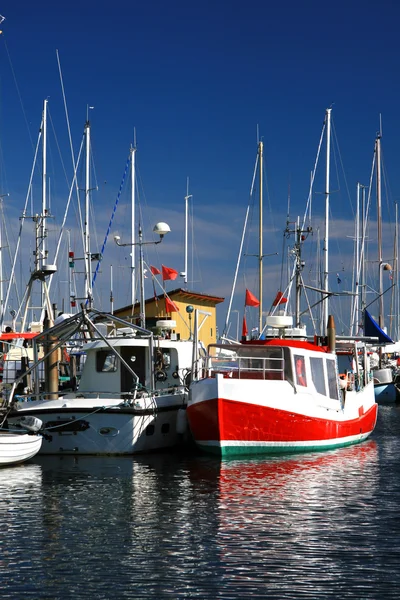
[[312, 526]]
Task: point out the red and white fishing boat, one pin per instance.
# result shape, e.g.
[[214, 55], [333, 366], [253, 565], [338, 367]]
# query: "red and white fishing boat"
[[285, 393], [282, 395]]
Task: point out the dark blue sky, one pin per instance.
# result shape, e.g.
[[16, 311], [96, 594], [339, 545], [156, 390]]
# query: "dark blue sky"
[[195, 80]]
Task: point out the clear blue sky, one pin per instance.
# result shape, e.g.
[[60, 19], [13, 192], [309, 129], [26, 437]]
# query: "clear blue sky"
[[195, 80]]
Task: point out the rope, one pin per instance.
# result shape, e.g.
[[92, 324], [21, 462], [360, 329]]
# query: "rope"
[[110, 224]]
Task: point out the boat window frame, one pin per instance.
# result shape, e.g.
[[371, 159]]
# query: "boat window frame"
[[106, 361], [317, 372], [332, 377], [301, 374]]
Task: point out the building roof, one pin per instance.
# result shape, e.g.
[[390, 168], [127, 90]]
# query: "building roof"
[[184, 295]]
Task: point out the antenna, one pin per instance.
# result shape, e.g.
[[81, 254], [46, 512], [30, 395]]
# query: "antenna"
[[288, 201]]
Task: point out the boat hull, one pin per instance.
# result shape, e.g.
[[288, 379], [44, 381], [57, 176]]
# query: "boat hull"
[[17, 448], [387, 393], [227, 419], [87, 426]]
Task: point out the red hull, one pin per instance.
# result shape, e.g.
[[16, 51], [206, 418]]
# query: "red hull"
[[226, 420]]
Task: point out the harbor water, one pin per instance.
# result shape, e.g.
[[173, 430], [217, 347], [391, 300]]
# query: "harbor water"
[[316, 525]]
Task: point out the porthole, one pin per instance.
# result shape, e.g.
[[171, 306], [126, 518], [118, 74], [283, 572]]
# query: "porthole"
[[150, 430]]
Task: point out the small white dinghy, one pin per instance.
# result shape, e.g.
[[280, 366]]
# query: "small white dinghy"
[[18, 446]]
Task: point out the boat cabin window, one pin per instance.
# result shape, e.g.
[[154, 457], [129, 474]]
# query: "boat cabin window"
[[300, 368], [162, 359], [247, 362], [106, 361], [332, 379], [317, 374]]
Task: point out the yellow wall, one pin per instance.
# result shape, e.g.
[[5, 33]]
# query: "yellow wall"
[[184, 325]]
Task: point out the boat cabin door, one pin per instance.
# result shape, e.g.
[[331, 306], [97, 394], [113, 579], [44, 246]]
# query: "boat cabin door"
[[136, 358]]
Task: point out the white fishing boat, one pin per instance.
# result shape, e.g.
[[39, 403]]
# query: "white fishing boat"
[[132, 393], [19, 445]]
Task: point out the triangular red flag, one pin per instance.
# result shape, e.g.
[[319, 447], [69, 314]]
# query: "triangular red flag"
[[245, 331], [170, 306], [251, 300], [154, 270], [279, 299], [168, 273]]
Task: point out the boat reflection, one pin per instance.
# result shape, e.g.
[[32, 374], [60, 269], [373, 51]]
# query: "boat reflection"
[[231, 524], [19, 479], [304, 512]]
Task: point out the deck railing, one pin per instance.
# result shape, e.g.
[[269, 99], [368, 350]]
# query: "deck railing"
[[248, 367]]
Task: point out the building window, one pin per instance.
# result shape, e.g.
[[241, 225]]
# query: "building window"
[[106, 361]]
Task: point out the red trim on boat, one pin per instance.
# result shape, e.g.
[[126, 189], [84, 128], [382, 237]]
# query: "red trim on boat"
[[288, 343]]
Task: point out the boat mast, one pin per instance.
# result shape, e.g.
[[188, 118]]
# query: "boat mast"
[[260, 255], [325, 311], [141, 273], [86, 237], [42, 256], [362, 278], [379, 224], [133, 225], [43, 232], [396, 277], [1, 254], [356, 270], [185, 280], [111, 291]]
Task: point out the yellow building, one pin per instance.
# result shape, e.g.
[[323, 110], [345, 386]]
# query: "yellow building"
[[182, 320]]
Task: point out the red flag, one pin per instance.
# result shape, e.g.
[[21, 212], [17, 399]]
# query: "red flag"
[[251, 300], [245, 331], [155, 271], [170, 306], [168, 273], [279, 299]]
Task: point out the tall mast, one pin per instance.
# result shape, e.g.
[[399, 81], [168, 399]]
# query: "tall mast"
[[1, 255], [111, 291], [379, 224], [43, 233], [133, 225], [86, 236], [42, 255], [325, 311], [298, 272], [362, 278], [141, 273], [356, 271], [260, 253], [396, 276], [185, 280]]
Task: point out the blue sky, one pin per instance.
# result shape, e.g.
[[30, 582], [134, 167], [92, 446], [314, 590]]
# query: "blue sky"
[[195, 80]]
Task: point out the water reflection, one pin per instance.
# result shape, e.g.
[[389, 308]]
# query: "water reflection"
[[180, 526]]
